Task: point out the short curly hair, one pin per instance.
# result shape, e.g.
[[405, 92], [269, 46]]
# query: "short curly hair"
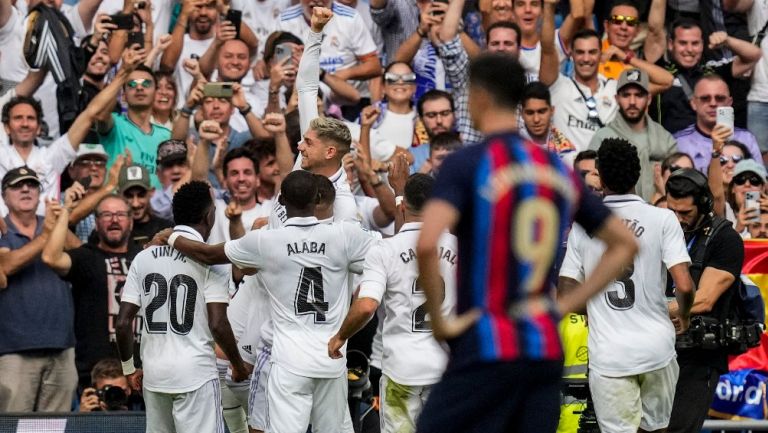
[[333, 130], [192, 202], [618, 164]]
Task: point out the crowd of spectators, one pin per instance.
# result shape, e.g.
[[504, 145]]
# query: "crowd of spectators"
[[99, 134]]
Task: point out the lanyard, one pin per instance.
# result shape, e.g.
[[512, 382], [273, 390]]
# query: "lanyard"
[[584, 98], [690, 244]]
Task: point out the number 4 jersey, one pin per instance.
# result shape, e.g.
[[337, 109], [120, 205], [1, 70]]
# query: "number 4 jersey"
[[630, 331], [172, 291], [304, 267], [411, 355]]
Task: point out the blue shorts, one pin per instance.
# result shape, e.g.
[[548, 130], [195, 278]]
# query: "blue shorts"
[[503, 397]]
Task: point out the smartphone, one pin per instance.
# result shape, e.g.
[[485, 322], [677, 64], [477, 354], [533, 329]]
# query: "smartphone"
[[438, 13], [135, 38], [194, 56], [140, 5], [282, 52], [85, 182], [752, 201], [235, 17], [725, 117], [218, 90], [122, 21]]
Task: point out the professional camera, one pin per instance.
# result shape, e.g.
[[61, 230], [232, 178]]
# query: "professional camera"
[[705, 332], [113, 396], [740, 336], [578, 388]]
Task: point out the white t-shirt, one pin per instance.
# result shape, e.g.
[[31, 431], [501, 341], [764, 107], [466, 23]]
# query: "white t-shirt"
[[47, 161], [304, 267], [11, 54], [572, 115], [756, 19], [345, 38], [396, 128], [630, 331], [249, 309], [530, 57], [183, 78], [220, 230], [172, 291], [261, 16], [411, 355]]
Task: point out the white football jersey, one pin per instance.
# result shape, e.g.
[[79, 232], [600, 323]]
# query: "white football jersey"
[[172, 291], [530, 57], [304, 267], [183, 78], [630, 331], [252, 302], [411, 355]]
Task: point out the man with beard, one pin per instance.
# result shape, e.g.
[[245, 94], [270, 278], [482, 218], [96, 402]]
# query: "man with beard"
[[97, 272], [133, 130], [135, 188], [436, 116], [652, 141]]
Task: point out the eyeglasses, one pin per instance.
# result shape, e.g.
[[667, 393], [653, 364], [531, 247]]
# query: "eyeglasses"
[[92, 162], [618, 19], [752, 178], [435, 114], [720, 99], [735, 158], [391, 78], [592, 114], [107, 215], [145, 83]]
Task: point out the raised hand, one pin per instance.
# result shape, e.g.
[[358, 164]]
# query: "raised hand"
[[72, 195], [369, 115], [195, 95], [274, 123], [210, 130], [225, 31], [133, 57], [233, 210], [717, 40], [320, 17]]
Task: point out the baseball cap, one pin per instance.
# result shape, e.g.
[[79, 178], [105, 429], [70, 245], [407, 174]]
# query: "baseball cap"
[[19, 174], [132, 176], [170, 151], [633, 76], [750, 166], [88, 149]]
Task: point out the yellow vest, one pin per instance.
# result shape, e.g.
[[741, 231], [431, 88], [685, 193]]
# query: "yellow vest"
[[573, 333]]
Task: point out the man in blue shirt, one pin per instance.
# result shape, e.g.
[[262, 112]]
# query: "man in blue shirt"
[[510, 203]]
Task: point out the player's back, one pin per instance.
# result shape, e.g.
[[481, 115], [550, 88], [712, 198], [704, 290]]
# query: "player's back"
[[411, 354], [304, 267], [629, 327], [172, 291]]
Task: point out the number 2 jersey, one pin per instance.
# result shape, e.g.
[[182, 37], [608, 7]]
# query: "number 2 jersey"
[[305, 267], [411, 354], [630, 331], [172, 291]]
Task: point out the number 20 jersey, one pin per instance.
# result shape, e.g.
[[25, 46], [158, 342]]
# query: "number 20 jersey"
[[629, 327], [411, 355], [305, 267], [172, 291]]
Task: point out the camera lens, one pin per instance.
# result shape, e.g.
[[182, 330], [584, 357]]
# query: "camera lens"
[[113, 396]]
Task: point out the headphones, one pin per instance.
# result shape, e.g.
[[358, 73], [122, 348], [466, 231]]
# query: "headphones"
[[703, 197]]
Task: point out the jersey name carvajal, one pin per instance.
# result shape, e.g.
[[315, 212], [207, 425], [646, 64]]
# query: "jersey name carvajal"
[[172, 291], [411, 355], [304, 267], [630, 331]]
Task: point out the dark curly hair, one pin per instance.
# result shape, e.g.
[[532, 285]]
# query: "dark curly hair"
[[418, 189], [618, 164], [19, 100], [192, 202], [326, 192]]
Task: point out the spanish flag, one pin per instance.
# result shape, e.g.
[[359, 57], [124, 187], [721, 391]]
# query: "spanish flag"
[[755, 268]]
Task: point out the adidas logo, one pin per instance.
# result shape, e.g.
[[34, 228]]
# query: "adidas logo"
[[248, 349]]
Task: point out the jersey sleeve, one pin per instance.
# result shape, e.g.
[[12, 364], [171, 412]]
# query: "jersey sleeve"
[[358, 242], [132, 287], [216, 287], [245, 252], [591, 213], [673, 246], [362, 43], [374, 281], [573, 265], [453, 183]]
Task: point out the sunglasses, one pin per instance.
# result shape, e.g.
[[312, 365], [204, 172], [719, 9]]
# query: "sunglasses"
[[592, 114], [674, 168], [735, 158], [145, 83], [753, 180], [618, 19], [720, 99], [391, 78]]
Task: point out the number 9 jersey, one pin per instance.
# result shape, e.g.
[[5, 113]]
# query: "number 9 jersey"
[[172, 291]]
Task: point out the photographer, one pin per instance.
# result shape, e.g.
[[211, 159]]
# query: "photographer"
[[703, 351], [110, 389]]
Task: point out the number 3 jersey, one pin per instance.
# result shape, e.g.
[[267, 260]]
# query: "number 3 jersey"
[[630, 331], [411, 355], [172, 291], [305, 267]]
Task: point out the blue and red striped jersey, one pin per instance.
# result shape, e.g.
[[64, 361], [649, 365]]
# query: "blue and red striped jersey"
[[516, 202]]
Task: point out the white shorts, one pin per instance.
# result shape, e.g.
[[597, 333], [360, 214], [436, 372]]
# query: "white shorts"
[[294, 402], [400, 405], [257, 398], [623, 404], [197, 411]]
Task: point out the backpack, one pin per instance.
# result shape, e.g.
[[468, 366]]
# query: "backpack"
[[743, 324]]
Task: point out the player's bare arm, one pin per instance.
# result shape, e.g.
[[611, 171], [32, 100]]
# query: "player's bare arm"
[[684, 294], [223, 336], [199, 251], [124, 336], [439, 216], [360, 313]]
